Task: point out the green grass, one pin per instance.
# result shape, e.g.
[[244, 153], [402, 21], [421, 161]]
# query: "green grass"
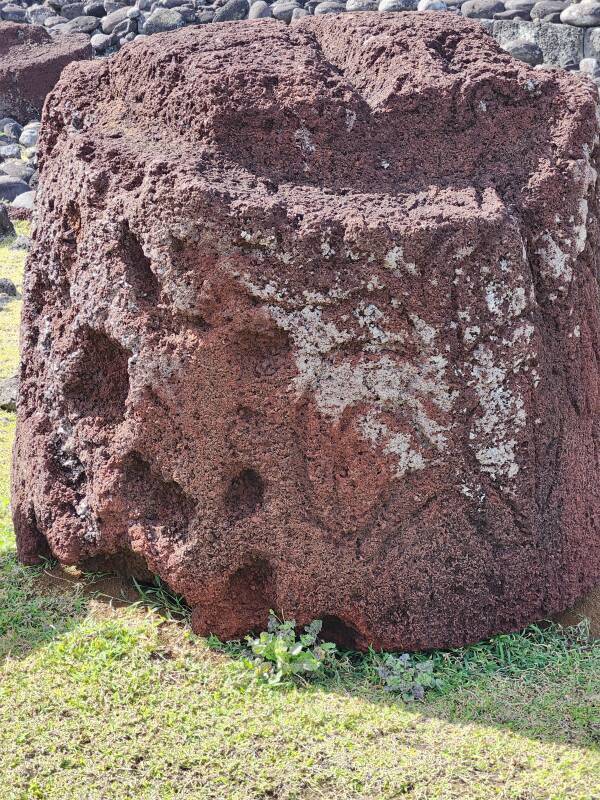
[[11, 266], [99, 702]]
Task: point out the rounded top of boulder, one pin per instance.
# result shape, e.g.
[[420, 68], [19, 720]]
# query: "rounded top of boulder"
[[15, 33], [365, 103], [19, 35]]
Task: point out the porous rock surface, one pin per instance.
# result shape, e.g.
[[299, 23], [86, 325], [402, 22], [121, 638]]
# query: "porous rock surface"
[[312, 324], [30, 64]]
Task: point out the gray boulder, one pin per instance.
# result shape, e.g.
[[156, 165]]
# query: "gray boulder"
[[10, 151], [162, 20], [9, 390], [110, 21], [10, 188], [101, 42], [583, 15], [260, 10], [548, 10], [6, 226], [7, 287], [362, 5], [481, 9], [560, 44], [529, 52], [330, 7], [82, 25], [24, 201], [29, 135], [283, 9], [397, 5], [17, 169], [232, 10]]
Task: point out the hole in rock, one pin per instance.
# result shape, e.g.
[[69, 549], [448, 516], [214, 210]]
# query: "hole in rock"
[[138, 270], [245, 494], [99, 381], [152, 499], [31, 542], [250, 595], [124, 562], [345, 636]]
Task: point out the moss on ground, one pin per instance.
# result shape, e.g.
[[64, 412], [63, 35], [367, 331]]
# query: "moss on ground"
[[105, 703]]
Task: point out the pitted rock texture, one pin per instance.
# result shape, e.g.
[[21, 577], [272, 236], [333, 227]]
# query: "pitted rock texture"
[[30, 64], [312, 324]]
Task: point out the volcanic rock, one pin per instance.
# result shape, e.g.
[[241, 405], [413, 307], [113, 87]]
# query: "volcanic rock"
[[30, 64], [6, 226], [308, 335], [9, 389]]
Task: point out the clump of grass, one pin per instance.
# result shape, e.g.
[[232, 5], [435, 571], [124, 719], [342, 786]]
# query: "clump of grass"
[[158, 597]]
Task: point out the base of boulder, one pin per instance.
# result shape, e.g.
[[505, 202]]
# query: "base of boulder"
[[588, 608]]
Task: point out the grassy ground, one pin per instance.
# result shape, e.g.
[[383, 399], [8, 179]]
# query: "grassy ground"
[[106, 700]]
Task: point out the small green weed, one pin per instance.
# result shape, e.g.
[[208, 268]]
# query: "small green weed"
[[279, 654], [407, 676]]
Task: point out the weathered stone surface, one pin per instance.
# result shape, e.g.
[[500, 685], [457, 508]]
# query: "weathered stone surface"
[[30, 64], [307, 335]]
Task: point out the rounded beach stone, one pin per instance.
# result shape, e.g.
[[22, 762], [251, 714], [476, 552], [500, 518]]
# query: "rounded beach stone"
[[582, 15], [481, 9], [362, 5], [82, 25], [330, 7], [548, 10], [232, 10], [11, 187], [164, 19], [432, 5], [260, 10], [284, 9], [110, 21], [397, 5]]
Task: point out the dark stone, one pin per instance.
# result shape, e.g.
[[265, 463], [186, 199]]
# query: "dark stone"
[[481, 9], [11, 187], [9, 389], [232, 10], [525, 51], [6, 226]]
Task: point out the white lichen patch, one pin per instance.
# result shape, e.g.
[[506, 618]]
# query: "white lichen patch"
[[394, 261], [556, 263], [501, 414], [396, 444], [391, 366], [386, 383], [427, 333], [560, 251], [304, 140], [471, 333], [504, 300]]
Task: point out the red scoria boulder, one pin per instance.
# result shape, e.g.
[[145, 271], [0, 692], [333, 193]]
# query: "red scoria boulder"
[[30, 64], [312, 324]]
